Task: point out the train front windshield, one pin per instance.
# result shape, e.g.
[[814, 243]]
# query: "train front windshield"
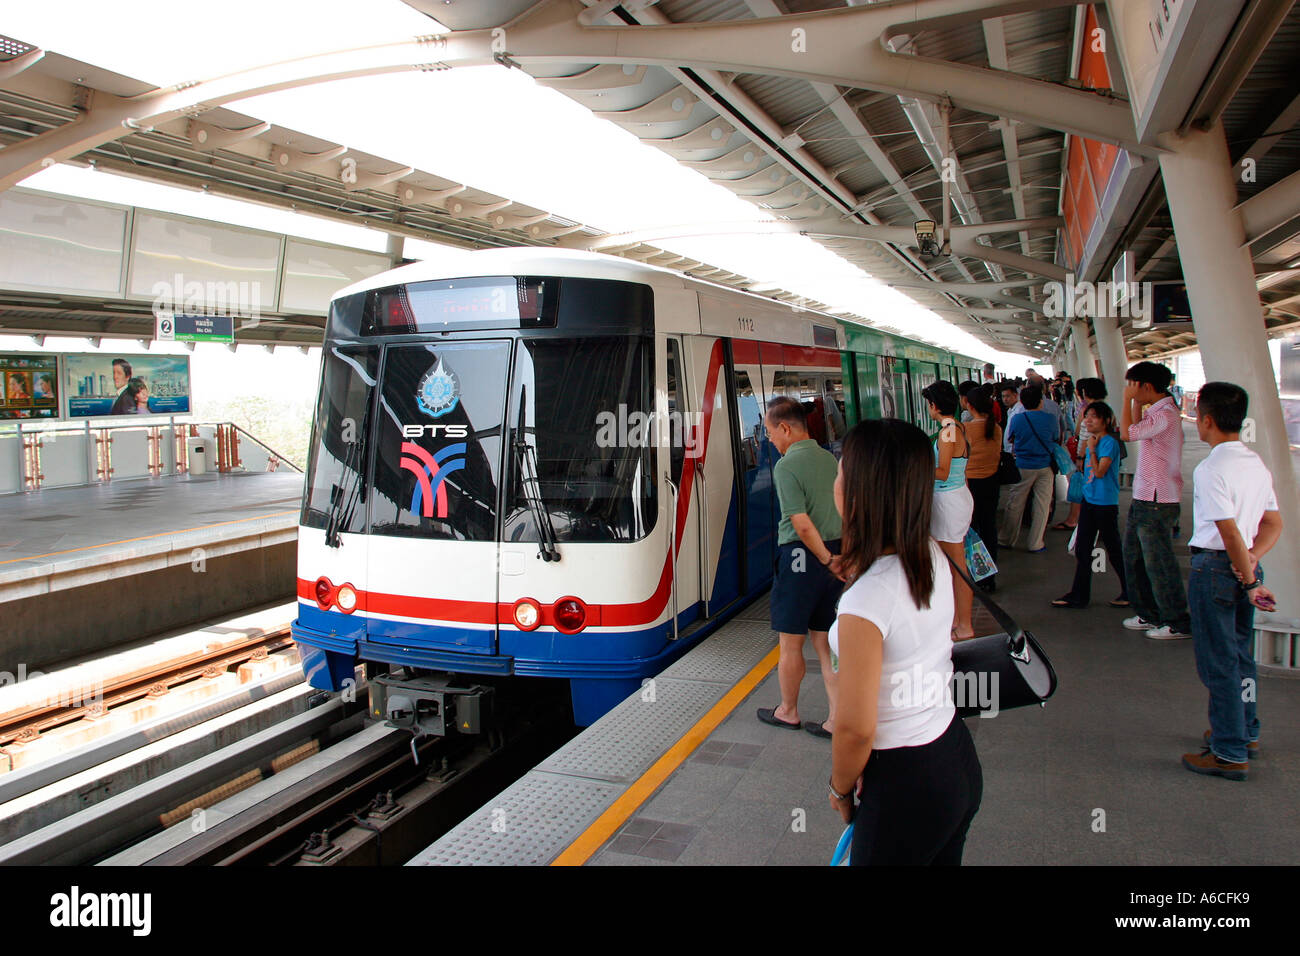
[[486, 439]]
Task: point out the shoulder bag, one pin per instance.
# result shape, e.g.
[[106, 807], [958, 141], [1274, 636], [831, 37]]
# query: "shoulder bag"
[[1002, 671], [1057, 457]]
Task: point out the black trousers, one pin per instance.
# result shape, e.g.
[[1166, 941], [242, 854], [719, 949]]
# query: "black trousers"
[[984, 519], [1094, 521], [918, 802]]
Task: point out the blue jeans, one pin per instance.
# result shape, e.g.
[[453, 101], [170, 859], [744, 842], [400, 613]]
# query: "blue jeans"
[[1155, 582], [1223, 639]]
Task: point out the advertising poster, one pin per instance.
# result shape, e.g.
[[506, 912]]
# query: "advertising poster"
[[31, 386], [888, 394], [101, 384]]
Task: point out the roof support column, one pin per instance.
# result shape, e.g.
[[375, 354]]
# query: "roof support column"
[[1199, 181], [395, 249], [1087, 365], [1114, 365]]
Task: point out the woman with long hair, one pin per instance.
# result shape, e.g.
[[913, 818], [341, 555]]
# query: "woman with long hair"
[[1099, 511], [953, 504], [985, 437], [897, 741]]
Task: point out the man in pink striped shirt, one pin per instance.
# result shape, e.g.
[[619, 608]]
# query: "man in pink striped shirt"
[[1155, 582]]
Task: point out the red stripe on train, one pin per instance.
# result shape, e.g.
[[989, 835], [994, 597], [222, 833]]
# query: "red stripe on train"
[[598, 615]]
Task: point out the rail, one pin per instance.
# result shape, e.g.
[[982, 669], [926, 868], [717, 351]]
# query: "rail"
[[39, 455]]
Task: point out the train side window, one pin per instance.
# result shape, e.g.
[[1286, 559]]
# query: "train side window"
[[678, 420], [833, 395], [750, 416]]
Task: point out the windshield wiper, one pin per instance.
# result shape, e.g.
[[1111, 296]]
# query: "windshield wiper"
[[343, 499], [531, 488]]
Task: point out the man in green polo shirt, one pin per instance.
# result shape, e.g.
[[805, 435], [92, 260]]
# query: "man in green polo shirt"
[[806, 588]]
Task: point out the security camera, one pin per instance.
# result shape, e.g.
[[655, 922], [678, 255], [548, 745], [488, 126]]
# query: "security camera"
[[927, 240]]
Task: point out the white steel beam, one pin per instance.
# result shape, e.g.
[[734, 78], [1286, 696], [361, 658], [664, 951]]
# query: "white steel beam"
[[841, 46], [1270, 208]]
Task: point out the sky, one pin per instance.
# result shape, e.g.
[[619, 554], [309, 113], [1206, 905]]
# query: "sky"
[[492, 128]]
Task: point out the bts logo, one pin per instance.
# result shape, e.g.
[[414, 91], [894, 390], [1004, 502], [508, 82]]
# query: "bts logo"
[[433, 431], [430, 473]]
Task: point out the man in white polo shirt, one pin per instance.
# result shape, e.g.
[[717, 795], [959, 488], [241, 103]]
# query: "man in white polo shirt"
[[1236, 521]]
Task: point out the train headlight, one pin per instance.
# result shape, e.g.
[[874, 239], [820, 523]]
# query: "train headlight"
[[527, 614], [346, 598], [324, 593], [570, 615]]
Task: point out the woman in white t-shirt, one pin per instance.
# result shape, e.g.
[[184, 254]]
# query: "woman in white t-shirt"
[[897, 738]]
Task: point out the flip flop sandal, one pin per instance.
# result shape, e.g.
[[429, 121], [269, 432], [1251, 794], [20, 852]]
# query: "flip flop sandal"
[[1062, 526], [817, 729], [768, 716], [1119, 603], [1067, 603]]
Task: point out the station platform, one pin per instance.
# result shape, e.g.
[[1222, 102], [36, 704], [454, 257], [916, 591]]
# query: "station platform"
[[684, 773], [85, 568]]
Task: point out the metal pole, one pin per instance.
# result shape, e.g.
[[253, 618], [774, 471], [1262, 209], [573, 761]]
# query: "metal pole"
[[1228, 318]]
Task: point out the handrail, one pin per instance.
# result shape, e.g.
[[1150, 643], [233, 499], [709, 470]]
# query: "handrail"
[[37, 427], [284, 458]]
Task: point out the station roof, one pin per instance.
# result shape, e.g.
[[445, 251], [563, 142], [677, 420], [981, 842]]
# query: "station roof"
[[835, 161]]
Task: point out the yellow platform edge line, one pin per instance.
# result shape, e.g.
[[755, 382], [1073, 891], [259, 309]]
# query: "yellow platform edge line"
[[604, 826]]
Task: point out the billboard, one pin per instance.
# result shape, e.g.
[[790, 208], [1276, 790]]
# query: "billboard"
[[31, 386], [98, 385]]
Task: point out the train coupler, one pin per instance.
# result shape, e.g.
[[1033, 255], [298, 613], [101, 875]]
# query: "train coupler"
[[430, 706]]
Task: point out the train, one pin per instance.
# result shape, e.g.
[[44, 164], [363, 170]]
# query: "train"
[[547, 463]]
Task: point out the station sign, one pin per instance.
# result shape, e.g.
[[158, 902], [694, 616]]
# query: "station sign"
[[179, 327]]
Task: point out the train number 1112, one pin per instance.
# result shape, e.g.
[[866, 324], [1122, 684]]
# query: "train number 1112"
[[746, 324]]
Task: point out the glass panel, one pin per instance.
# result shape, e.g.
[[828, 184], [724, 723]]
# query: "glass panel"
[[675, 409], [584, 409], [313, 273], [438, 451], [338, 440], [834, 399], [750, 417]]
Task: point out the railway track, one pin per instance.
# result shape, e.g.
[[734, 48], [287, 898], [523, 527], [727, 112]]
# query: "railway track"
[[320, 784], [377, 799], [33, 718]]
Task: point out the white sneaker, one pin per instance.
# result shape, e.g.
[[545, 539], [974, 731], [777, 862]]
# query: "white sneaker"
[[1166, 633], [1135, 623]]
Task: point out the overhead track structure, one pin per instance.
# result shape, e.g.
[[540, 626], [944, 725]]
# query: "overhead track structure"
[[851, 121]]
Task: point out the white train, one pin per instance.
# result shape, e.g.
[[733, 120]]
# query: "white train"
[[540, 462]]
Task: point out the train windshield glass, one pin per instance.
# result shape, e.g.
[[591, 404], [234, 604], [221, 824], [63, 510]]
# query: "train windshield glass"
[[335, 493], [438, 441], [582, 442]]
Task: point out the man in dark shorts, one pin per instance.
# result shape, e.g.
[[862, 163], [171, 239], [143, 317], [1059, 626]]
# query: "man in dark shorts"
[[806, 589]]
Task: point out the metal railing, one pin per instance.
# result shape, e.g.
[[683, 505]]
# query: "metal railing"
[[39, 455]]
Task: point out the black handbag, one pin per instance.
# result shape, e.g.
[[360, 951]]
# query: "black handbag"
[[1008, 473], [1000, 671]]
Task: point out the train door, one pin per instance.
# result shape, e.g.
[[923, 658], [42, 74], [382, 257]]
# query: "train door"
[[922, 375], [708, 456], [757, 495], [683, 431]]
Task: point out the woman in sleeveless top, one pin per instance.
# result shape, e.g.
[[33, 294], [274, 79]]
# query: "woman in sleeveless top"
[[953, 504]]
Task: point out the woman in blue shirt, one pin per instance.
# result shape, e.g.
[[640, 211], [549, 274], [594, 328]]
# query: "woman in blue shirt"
[[1099, 513]]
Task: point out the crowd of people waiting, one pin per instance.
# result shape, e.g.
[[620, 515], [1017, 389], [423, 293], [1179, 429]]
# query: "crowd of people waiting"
[[867, 545]]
